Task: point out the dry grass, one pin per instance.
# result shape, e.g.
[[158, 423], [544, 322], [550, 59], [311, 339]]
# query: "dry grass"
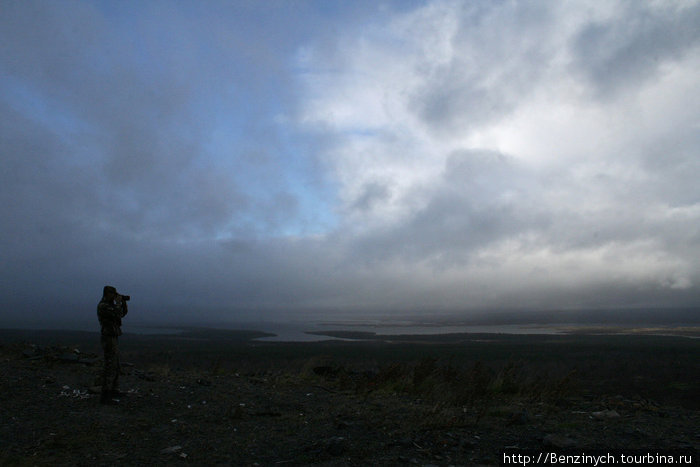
[[446, 383]]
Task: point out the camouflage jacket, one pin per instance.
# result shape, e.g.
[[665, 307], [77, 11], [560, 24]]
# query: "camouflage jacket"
[[110, 316]]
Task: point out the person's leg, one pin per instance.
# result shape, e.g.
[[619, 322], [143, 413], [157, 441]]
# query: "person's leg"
[[117, 367], [108, 374]]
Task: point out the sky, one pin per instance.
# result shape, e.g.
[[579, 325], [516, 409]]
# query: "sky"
[[237, 160]]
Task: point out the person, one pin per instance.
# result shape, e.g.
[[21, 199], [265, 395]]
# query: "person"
[[110, 311]]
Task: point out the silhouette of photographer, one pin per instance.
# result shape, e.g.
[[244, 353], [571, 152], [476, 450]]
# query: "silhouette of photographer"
[[110, 311]]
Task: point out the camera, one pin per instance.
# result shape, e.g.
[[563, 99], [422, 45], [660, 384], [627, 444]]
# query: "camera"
[[126, 298]]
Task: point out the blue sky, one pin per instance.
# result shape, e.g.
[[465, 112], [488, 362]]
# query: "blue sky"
[[223, 159]]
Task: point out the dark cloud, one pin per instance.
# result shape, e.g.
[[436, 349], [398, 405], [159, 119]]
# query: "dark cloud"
[[473, 205], [107, 169], [624, 51], [135, 93], [372, 192]]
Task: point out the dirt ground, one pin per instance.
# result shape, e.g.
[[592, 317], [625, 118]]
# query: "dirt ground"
[[220, 398]]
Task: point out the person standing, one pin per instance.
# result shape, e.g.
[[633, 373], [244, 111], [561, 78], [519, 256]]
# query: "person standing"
[[110, 311]]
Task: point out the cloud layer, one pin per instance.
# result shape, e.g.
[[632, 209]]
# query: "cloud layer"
[[220, 161]]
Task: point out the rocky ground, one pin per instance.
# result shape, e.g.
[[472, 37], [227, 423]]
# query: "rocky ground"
[[223, 399]]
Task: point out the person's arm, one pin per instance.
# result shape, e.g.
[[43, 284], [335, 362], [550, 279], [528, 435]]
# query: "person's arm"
[[108, 312]]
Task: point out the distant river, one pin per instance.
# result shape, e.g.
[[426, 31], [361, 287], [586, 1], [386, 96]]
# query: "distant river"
[[299, 332]]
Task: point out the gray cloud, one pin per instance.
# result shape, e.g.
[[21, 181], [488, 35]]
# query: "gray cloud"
[[476, 202], [373, 192], [499, 55], [622, 52]]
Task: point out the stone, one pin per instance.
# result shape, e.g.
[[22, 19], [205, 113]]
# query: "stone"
[[559, 441], [605, 415], [336, 446], [69, 358], [171, 449], [89, 360], [519, 418]]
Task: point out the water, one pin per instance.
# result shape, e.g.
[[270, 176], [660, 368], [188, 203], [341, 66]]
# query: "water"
[[152, 330], [298, 332]]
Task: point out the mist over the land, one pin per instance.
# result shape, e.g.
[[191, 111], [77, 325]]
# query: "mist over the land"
[[233, 161]]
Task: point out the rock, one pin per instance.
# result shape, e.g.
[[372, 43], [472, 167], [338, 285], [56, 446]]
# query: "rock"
[[145, 376], [326, 371], [89, 360], [267, 413], [605, 415], [342, 425], [559, 441], [519, 418], [69, 358], [235, 413], [336, 446], [171, 450]]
